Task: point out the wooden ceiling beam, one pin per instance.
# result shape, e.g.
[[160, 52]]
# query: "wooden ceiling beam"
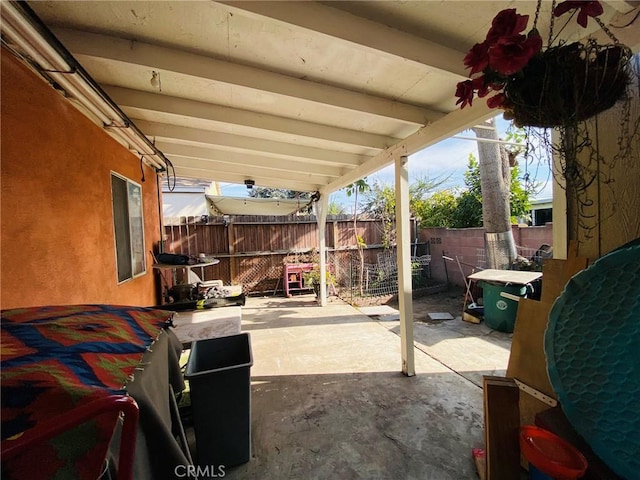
[[208, 174], [359, 31], [181, 107], [155, 57], [251, 162], [156, 131]]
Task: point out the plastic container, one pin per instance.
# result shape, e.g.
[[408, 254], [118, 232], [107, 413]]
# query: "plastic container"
[[500, 312], [219, 378], [549, 456]]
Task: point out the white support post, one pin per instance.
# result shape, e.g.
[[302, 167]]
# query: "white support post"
[[321, 207], [404, 265]]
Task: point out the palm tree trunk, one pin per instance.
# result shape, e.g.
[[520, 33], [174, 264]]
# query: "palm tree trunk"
[[495, 182]]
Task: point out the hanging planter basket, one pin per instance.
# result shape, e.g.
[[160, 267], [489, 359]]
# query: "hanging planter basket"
[[567, 84], [553, 87]]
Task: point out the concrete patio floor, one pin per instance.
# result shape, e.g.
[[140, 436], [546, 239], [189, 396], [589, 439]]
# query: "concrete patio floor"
[[329, 401]]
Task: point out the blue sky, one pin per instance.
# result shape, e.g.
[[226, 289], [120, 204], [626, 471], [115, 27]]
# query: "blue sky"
[[448, 158]]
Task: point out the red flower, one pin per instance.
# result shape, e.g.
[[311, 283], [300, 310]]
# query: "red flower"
[[482, 86], [587, 9], [511, 55], [478, 58], [497, 101], [507, 23], [464, 92]]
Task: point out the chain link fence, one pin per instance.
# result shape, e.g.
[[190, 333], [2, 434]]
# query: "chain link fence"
[[355, 281], [362, 283], [527, 258]]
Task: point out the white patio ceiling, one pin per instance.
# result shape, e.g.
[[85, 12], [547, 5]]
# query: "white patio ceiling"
[[299, 95]]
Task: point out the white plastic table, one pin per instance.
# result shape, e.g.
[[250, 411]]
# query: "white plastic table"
[[506, 276]]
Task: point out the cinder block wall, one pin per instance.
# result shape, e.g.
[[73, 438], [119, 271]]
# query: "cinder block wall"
[[465, 244]]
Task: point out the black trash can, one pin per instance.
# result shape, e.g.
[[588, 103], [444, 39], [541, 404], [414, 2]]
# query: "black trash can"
[[219, 378]]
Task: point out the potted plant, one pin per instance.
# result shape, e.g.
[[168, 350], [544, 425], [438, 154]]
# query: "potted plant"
[[312, 279]]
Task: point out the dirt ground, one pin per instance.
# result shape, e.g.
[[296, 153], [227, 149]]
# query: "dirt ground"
[[450, 301]]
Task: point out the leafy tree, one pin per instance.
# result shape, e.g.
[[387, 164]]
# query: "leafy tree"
[[468, 212], [266, 192], [519, 197], [380, 199], [456, 210], [380, 203], [438, 210], [521, 188], [335, 208], [519, 202], [445, 209], [360, 186]]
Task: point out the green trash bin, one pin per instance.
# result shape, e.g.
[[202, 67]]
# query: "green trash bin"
[[500, 312]]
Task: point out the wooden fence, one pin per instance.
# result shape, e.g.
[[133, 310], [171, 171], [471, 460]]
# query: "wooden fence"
[[253, 250]]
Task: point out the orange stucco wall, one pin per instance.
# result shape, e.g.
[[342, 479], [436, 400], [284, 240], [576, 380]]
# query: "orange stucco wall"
[[57, 234]]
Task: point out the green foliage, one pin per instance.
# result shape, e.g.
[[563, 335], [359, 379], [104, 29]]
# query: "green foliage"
[[313, 277], [517, 135], [359, 186], [335, 208], [519, 197], [445, 209], [380, 198], [265, 192], [438, 210], [418, 279], [520, 189], [380, 203], [283, 193], [472, 177], [469, 211]]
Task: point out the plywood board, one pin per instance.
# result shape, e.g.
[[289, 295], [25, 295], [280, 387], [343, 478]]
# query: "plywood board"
[[481, 463], [607, 214], [501, 427], [556, 274], [527, 361]]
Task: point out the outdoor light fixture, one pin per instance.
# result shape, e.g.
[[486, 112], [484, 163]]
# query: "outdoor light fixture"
[[28, 38], [249, 184], [155, 80]]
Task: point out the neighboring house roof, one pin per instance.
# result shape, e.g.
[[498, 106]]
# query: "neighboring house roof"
[[183, 204], [541, 203]]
